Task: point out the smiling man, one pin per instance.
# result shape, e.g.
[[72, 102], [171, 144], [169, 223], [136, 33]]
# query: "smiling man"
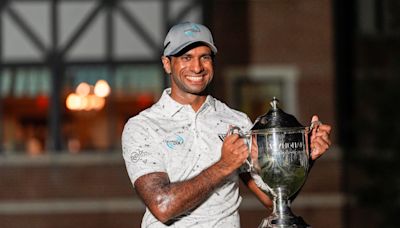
[[183, 170]]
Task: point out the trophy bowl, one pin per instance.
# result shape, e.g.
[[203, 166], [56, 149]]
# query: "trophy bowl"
[[279, 163]]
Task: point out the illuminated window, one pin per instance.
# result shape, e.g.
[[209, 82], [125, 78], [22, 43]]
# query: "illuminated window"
[[25, 100], [46, 55]]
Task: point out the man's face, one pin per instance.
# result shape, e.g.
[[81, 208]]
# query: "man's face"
[[191, 72]]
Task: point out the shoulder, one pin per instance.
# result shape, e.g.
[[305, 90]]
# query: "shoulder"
[[223, 107], [231, 113], [140, 122]]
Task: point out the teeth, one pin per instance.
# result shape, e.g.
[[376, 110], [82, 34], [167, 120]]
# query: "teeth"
[[195, 78]]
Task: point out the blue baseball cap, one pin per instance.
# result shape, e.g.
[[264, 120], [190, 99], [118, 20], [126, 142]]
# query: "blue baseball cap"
[[184, 34]]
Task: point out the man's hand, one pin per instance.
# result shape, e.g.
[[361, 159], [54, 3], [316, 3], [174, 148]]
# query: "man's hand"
[[320, 141], [234, 153]]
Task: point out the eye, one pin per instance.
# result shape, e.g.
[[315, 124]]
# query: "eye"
[[206, 58], [186, 58]]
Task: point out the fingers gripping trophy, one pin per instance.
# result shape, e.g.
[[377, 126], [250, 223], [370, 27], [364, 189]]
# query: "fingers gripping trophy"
[[279, 162]]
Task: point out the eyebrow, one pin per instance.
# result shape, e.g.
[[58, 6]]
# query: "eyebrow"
[[205, 54]]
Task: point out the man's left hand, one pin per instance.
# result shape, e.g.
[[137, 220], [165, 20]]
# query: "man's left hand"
[[320, 141]]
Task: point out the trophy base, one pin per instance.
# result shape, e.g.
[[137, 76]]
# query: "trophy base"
[[293, 222]]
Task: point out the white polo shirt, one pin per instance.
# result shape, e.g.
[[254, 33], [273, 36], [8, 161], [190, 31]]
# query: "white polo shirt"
[[170, 137]]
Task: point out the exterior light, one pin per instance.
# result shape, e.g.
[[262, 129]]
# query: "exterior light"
[[98, 102], [83, 89], [73, 102], [101, 88], [88, 97]]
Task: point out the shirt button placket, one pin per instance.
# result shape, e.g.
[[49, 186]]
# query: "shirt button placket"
[[196, 132]]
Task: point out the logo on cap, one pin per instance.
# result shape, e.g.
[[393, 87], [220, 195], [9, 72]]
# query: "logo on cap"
[[190, 32]]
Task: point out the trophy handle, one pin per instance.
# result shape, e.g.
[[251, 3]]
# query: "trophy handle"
[[236, 130], [315, 124], [249, 161]]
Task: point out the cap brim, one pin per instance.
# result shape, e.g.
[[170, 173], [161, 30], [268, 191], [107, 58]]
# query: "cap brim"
[[180, 48]]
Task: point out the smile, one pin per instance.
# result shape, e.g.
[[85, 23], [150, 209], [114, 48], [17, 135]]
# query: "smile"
[[195, 79]]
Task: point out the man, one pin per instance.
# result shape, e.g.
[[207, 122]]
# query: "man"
[[180, 166]]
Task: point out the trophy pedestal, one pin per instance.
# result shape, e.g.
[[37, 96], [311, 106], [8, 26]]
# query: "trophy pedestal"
[[294, 222], [282, 216]]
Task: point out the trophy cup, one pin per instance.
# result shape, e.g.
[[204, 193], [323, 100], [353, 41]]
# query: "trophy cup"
[[279, 162]]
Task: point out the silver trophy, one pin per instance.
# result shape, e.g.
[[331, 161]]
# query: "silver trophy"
[[279, 162]]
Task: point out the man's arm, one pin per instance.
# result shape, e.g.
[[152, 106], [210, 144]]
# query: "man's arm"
[[168, 200], [251, 185]]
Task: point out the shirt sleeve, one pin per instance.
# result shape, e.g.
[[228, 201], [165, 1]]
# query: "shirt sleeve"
[[140, 150]]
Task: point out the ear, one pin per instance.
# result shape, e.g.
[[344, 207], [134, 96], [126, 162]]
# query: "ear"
[[166, 64]]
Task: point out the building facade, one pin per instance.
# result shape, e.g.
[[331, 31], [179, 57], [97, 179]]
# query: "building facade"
[[62, 167]]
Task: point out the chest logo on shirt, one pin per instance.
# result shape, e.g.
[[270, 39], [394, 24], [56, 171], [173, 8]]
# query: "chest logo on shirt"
[[173, 142], [222, 137]]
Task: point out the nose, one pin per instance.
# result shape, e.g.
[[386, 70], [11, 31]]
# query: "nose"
[[197, 66]]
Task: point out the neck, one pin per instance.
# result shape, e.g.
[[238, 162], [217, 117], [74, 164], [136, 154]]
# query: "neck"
[[195, 101]]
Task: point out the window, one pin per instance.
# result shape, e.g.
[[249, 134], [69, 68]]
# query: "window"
[[51, 47], [250, 89], [378, 17], [25, 96]]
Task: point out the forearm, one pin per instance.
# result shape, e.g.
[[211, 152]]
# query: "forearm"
[[168, 200], [251, 185]]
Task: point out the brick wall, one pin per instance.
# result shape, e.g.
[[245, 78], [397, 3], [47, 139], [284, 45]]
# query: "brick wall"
[[298, 34], [95, 191]]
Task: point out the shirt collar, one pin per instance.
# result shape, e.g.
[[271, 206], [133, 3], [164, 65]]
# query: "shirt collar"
[[210, 101], [170, 107]]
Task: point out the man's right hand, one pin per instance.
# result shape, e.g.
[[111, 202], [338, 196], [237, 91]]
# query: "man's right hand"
[[234, 153]]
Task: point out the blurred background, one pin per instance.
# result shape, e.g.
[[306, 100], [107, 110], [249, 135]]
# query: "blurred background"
[[73, 71]]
